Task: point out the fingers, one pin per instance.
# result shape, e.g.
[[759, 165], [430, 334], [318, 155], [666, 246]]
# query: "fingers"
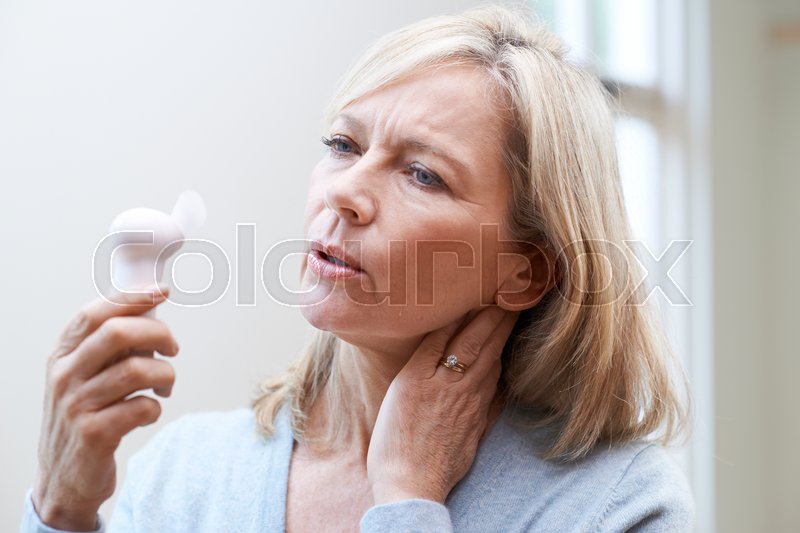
[[469, 342], [430, 350], [105, 428], [492, 348], [122, 379], [119, 336], [487, 387], [96, 312]]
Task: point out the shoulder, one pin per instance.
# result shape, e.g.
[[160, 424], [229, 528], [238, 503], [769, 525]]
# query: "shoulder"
[[614, 488], [210, 451], [652, 493], [196, 434], [207, 471], [213, 427]]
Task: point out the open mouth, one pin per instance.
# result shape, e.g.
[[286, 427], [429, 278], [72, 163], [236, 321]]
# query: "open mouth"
[[334, 255], [334, 260]]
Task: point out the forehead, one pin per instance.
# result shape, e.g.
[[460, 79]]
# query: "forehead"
[[448, 100], [452, 109]]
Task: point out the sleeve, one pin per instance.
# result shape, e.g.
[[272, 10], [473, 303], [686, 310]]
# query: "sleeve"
[[31, 523], [652, 496], [407, 516], [122, 515]]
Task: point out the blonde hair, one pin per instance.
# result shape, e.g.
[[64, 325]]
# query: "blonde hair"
[[592, 354]]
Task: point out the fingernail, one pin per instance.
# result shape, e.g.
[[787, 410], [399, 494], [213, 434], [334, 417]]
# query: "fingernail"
[[161, 291]]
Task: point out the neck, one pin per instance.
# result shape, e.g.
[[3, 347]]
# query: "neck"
[[360, 377]]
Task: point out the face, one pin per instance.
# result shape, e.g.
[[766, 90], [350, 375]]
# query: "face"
[[411, 174]]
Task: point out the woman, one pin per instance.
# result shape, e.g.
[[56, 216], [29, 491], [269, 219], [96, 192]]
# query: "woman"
[[483, 359]]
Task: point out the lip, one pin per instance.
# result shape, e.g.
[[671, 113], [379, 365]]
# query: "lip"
[[324, 268]]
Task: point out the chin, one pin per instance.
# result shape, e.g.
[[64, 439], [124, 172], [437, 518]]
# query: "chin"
[[316, 317], [329, 315], [328, 308], [365, 334], [370, 328], [358, 325]]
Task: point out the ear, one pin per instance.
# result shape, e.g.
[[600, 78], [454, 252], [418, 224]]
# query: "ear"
[[531, 276]]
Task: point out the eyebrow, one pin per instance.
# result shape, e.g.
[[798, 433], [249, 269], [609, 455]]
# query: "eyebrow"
[[411, 142]]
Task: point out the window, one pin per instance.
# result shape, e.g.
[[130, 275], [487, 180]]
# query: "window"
[[618, 39], [638, 48]]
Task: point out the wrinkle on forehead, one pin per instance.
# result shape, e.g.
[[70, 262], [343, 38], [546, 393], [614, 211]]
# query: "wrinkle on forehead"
[[453, 108]]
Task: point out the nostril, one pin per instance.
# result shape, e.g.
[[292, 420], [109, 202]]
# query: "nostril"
[[351, 214]]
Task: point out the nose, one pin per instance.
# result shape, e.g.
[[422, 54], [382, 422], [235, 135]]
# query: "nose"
[[350, 195]]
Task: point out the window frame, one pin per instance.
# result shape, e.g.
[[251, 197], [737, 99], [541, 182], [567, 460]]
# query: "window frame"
[[675, 106]]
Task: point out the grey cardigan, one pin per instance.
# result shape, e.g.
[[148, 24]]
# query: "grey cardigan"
[[212, 472]]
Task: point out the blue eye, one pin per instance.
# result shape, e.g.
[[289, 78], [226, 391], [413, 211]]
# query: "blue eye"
[[424, 177], [342, 146], [339, 145]]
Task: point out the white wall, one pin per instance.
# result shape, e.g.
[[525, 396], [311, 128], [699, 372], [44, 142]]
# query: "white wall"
[[755, 131], [780, 270], [737, 125], [111, 105]]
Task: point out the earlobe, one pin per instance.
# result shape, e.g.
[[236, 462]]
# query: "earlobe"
[[531, 278]]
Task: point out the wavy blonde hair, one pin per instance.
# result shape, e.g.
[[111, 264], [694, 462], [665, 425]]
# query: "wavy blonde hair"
[[592, 354]]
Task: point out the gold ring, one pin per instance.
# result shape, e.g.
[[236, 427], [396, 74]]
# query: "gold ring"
[[451, 362]]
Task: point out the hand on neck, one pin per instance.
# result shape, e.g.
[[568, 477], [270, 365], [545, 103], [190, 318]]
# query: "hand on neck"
[[360, 376], [362, 370]]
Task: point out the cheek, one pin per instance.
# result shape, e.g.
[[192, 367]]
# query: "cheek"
[[442, 268], [460, 267], [446, 273]]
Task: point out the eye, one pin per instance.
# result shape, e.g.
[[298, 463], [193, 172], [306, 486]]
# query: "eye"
[[424, 178], [340, 145]]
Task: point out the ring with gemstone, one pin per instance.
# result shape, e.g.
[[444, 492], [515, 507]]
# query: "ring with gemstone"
[[451, 362]]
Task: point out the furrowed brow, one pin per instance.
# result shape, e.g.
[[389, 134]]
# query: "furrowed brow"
[[416, 144], [425, 147]]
